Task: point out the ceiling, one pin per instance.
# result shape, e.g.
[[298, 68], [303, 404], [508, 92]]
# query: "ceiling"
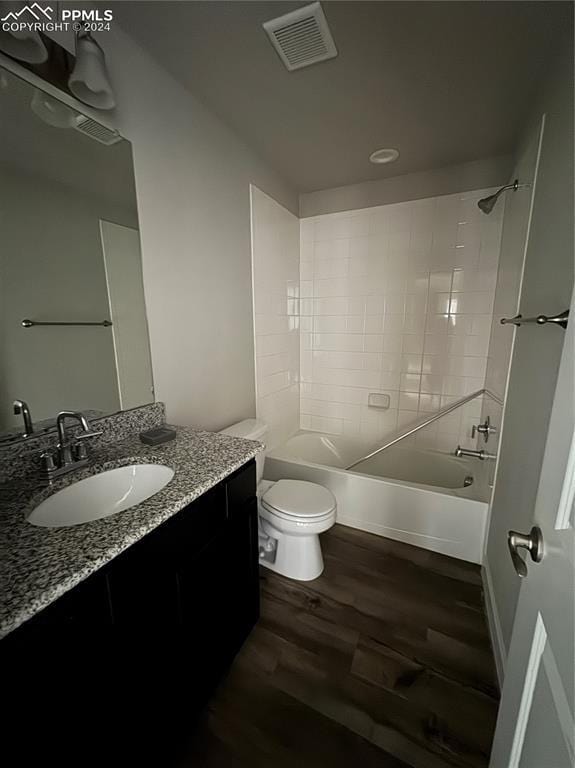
[[443, 82]]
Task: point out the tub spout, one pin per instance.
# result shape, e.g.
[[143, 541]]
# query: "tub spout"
[[481, 455]]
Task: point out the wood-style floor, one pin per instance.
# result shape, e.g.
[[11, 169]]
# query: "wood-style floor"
[[383, 661]]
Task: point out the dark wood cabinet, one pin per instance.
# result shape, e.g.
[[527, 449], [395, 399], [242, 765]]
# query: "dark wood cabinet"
[[157, 627]]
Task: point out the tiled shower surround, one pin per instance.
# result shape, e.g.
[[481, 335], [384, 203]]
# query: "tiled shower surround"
[[395, 299], [275, 275]]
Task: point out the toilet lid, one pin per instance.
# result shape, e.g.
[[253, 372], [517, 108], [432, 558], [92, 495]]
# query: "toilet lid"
[[299, 498]]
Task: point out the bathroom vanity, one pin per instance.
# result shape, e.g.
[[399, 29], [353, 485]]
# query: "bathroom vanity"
[[145, 608], [150, 604], [197, 568], [190, 584]]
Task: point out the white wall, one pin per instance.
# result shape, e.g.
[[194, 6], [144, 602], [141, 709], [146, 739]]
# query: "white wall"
[[547, 287], [516, 206], [275, 265], [192, 182], [52, 268], [452, 179], [395, 299]]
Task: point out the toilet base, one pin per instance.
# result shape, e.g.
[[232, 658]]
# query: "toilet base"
[[297, 557]]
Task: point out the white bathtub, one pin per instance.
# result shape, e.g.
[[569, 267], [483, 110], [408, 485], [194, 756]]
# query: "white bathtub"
[[407, 493]]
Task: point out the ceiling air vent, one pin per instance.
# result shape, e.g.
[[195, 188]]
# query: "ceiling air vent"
[[96, 130], [302, 37]]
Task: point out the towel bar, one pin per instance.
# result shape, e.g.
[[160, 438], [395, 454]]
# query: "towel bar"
[[560, 319], [31, 323]]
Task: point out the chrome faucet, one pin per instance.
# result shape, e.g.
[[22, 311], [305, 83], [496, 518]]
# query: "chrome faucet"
[[21, 407], [69, 454], [481, 455], [64, 446]]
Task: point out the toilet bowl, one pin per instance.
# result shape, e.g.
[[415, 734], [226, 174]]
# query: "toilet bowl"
[[291, 516]]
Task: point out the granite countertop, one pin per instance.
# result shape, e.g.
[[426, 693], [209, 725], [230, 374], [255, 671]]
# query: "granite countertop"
[[38, 565]]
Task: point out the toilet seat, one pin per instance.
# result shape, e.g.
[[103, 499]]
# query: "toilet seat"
[[299, 500]]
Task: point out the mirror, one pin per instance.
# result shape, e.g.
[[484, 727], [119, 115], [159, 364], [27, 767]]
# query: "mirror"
[[70, 265]]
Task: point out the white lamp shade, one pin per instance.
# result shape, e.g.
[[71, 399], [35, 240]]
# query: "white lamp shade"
[[52, 111], [89, 81], [23, 45]]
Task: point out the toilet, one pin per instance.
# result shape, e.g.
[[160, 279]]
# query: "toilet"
[[291, 515]]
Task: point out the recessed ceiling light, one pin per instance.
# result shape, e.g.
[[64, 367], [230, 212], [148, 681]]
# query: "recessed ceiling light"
[[381, 156]]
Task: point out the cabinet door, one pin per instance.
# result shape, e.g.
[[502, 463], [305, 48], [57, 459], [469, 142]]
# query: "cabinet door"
[[219, 592], [205, 632], [144, 584], [242, 576], [242, 561], [143, 588], [208, 581], [83, 610]]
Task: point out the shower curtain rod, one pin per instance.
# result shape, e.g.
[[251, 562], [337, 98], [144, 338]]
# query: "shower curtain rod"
[[427, 421]]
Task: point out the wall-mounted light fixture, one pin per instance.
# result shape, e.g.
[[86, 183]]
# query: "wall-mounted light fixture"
[[51, 110], [89, 81], [22, 44]]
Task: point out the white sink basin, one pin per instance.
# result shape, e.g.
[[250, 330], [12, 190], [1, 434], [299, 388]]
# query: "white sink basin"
[[101, 495]]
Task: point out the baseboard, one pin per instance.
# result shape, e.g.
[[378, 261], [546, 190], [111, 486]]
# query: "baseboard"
[[494, 624]]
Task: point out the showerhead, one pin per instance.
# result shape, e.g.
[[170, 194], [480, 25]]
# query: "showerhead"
[[487, 204]]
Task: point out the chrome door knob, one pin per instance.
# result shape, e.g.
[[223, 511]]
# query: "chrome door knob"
[[532, 542]]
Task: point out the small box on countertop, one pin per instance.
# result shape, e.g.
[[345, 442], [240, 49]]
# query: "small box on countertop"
[[158, 435]]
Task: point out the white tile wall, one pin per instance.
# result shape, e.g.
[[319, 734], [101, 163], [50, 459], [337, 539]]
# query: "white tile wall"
[[451, 430], [275, 274], [395, 299]]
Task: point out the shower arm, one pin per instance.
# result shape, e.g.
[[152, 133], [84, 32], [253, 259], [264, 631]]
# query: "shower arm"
[[514, 186], [425, 423]]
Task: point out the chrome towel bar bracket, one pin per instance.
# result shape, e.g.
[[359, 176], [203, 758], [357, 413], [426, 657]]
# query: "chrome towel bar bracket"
[[560, 319]]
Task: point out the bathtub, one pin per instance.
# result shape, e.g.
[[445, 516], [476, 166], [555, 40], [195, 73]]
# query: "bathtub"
[[409, 493]]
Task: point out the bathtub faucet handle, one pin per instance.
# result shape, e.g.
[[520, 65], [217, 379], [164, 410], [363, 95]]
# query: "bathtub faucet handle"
[[484, 429]]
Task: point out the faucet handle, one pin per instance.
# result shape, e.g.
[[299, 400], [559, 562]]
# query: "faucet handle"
[[47, 459], [80, 449], [48, 464], [484, 429], [88, 435]]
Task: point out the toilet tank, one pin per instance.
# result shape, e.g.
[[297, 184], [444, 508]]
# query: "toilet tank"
[[250, 429]]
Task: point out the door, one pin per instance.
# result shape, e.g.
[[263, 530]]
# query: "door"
[[536, 726], [123, 265]]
